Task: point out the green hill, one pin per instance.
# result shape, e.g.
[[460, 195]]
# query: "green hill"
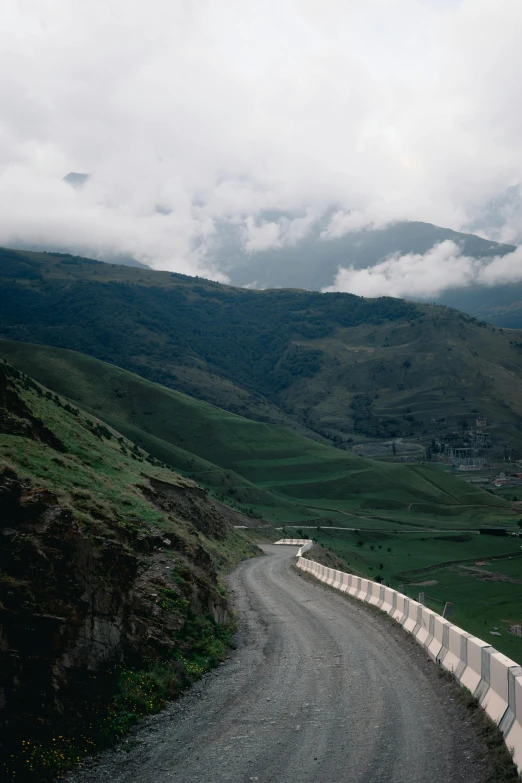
[[333, 365], [267, 469]]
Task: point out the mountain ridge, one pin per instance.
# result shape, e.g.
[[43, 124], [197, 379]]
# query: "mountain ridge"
[[313, 262], [337, 365]]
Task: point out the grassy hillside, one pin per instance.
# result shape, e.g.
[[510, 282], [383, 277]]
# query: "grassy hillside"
[[111, 592], [394, 380], [271, 470], [334, 364]]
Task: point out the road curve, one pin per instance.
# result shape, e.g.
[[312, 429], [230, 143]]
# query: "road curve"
[[319, 689]]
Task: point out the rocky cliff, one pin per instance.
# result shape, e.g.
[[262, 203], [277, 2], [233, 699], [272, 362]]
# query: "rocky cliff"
[[98, 575]]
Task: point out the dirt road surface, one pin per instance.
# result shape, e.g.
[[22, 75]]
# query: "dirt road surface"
[[319, 690]]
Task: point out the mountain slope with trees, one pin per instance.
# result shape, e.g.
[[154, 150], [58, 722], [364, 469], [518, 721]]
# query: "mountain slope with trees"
[[336, 365]]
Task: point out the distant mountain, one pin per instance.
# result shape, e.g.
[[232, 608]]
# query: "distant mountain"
[[500, 305], [337, 365], [313, 262]]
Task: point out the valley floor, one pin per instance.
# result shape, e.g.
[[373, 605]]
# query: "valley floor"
[[318, 689]]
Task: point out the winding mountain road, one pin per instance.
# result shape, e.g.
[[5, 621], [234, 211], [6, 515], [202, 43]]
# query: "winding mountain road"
[[320, 689]]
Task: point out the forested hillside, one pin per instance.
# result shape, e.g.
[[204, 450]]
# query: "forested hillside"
[[336, 364]]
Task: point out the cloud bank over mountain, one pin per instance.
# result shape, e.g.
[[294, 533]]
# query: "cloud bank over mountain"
[[415, 275], [188, 116]]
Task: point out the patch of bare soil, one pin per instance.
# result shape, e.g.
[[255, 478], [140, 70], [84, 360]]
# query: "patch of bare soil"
[[489, 576]]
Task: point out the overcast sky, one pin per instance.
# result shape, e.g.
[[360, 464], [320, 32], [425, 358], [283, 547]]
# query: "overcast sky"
[[188, 113]]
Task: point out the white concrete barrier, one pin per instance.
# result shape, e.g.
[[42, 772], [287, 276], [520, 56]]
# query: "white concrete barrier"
[[355, 585], [345, 582], [373, 596], [400, 607], [412, 613], [454, 660], [389, 597], [511, 724], [422, 631], [496, 698], [493, 678], [472, 674]]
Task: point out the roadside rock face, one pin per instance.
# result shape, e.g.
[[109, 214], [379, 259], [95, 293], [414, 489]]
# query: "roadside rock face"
[[190, 503], [74, 600], [110, 603]]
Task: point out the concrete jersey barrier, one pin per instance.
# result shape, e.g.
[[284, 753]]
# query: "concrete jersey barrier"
[[493, 678]]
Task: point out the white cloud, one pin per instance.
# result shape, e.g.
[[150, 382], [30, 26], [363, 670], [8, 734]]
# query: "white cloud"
[[416, 276], [342, 223], [262, 236], [222, 111], [266, 235]]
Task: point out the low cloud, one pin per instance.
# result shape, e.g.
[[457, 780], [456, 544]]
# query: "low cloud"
[[267, 235], [416, 276], [263, 236], [343, 222], [187, 116]]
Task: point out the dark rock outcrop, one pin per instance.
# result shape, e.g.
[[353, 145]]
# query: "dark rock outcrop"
[[74, 600]]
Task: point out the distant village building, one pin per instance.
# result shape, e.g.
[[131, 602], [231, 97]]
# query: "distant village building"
[[516, 629], [513, 480], [482, 422]]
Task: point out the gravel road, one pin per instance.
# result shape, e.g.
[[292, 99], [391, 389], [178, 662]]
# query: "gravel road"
[[319, 690]]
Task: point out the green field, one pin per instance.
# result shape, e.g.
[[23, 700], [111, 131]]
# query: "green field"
[[269, 470], [481, 603]]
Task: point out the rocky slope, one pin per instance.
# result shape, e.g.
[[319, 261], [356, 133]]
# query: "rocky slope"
[[110, 594]]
